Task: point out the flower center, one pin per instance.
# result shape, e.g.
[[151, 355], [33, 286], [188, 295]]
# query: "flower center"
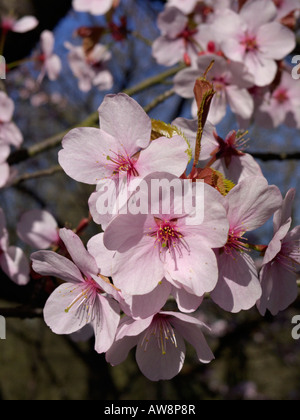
[[162, 331], [122, 164], [281, 96], [235, 242], [84, 302], [250, 43], [168, 238]]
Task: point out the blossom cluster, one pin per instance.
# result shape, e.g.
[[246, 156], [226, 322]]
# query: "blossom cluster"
[[173, 204], [249, 42], [143, 260]]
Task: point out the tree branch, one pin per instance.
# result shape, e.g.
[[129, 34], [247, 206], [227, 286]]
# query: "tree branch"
[[92, 120], [22, 312]]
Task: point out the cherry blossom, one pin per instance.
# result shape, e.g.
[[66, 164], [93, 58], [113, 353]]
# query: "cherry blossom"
[[85, 297], [154, 246], [50, 63], [13, 261], [282, 105], [249, 205], [253, 37], [39, 229], [4, 167], [159, 342], [281, 262], [25, 24], [90, 68], [178, 41], [230, 80], [95, 7], [9, 132]]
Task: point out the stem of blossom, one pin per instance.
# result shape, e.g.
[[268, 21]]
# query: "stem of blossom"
[[35, 175], [161, 98], [146, 41], [92, 120], [204, 93], [259, 248]]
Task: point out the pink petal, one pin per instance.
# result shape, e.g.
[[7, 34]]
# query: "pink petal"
[[124, 119], [155, 364], [168, 52], [80, 256], [15, 265], [84, 154], [55, 315], [147, 305], [284, 214], [10, 134], [240, 101], [119, 350], [258, 12], [25, 24], [47, 43], [7, 108], [38, 228], [4, 174], [139, 270], [102, 256], [192, 333], [262, 68], [251, 203], [171, 22], [238, 287], [196, 271], [48, 263], [106, 327], [186, 302], [276, 41], [163, 153], [279, 287], [53, 67]]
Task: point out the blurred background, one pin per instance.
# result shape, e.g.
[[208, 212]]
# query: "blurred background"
[[256, 358]]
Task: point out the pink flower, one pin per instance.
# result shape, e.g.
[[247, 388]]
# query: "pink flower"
[[228, 155], [121, 151], [49, 62], [90, 68], [13, 261], [186, 6], [281, 262], [230, 80], [253, 38], [85, 298], [178, 41], [39, 229], [142, 306], [249, 205], [159, 341], [25, 24], [285, 7], [282, 105], [151, 247], [95, 7], [4, 167], [9, 132]]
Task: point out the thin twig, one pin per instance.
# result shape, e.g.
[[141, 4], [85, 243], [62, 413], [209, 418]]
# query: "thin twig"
[[39, 174], [92, 120], [160, 99]]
